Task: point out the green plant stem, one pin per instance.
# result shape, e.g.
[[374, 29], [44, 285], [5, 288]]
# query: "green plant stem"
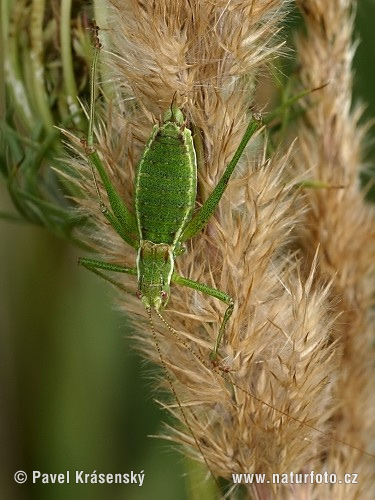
[[10, 18], [36, 54], [67, 60]]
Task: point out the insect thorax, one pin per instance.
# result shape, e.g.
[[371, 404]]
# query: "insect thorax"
[[155, 263]]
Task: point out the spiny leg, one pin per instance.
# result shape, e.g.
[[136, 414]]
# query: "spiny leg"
[[94, 266], [224, 297], [198, 222], [122, 220]]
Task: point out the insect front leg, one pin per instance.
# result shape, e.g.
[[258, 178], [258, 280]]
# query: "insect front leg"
[[224, 297], [94, 266]]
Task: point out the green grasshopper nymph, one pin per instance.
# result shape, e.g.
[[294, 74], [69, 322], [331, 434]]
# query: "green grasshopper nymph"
[[163, 220], [165, 197]]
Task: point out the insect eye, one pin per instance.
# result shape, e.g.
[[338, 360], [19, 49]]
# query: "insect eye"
[[138, 294], [163, 294]]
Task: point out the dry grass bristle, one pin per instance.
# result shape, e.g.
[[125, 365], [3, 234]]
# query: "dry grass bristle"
[[339, 220]]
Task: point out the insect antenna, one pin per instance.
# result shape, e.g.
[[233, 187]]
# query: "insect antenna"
[[224, 373], [170, 382]]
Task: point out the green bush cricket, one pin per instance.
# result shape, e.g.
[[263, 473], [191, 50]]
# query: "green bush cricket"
[[165, 197], [164, 219]]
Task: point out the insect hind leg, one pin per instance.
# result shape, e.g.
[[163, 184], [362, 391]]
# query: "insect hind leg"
[[121, 219]]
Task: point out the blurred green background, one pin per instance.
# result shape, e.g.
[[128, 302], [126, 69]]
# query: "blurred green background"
[[74, 394]]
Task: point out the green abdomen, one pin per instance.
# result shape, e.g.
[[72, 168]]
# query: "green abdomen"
[[166, 184]]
